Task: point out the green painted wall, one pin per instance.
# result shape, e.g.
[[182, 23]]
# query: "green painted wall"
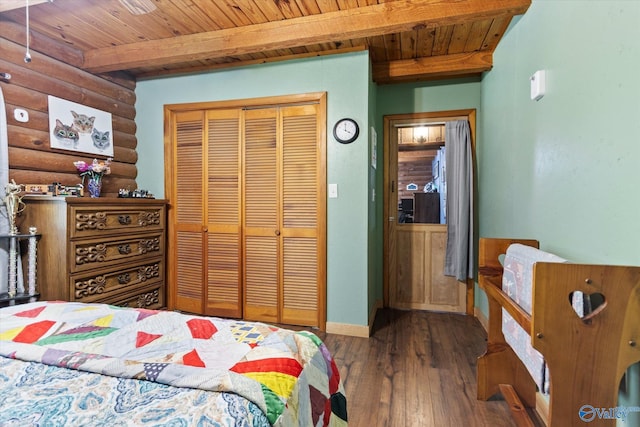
[[564, 170], [376, 176], [345, 78], [423, 97]]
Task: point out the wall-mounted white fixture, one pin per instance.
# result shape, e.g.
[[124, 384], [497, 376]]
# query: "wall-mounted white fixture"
[[538, 85], [21, 115], [333, 191]]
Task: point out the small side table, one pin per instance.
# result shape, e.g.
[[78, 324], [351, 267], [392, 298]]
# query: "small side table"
[[13, 296]]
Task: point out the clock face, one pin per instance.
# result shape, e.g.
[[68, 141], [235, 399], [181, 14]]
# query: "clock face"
[[346, 131]]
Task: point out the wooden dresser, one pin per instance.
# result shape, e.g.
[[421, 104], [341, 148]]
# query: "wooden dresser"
[[107, 250]]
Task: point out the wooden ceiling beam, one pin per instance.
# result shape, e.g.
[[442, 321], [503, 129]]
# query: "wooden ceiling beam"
[[197, 69], [433, 67], [379, 19]]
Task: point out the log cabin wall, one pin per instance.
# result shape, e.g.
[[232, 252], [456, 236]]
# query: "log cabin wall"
[[31, 160], [417, 149], [414, 167]]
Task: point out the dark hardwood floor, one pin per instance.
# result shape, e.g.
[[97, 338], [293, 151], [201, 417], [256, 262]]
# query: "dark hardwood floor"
[[418, 369]]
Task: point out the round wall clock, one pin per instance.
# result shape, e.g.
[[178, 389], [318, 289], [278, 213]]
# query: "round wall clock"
[[346, 131]]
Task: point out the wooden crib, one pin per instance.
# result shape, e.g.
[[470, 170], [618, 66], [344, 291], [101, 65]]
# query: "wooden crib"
[[586, 356]]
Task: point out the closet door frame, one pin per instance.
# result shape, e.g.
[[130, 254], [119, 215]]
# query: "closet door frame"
[[170, 111]]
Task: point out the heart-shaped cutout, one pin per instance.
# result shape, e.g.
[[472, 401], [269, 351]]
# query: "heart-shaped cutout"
[[587, 306]]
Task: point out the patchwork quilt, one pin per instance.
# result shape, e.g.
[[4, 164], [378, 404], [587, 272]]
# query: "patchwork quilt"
[[290, 376], [37, 395]]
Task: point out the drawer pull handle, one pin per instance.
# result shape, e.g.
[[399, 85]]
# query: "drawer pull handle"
[[124, 219], [124, 249], [123, 279]]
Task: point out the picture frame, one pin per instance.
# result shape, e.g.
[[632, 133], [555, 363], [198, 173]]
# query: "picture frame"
[[77, 127]]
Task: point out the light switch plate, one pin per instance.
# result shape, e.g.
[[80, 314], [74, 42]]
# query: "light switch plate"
[[333, 191], [538, 84]]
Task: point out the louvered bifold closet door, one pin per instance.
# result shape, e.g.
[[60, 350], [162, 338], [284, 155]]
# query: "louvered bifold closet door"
[[188, 193], [261, 228], [224, 290], [301, 207]]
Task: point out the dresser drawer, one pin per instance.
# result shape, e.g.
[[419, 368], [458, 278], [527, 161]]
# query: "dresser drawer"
[[98, 286], [113, 219], [151, 297], [95, 253]]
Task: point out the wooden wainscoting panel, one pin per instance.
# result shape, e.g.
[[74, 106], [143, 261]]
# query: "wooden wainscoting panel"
[[412, 242], [445, 290], [420, 281]]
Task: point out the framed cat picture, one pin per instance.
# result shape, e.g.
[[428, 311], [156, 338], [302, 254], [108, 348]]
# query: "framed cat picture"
[[76, 127]]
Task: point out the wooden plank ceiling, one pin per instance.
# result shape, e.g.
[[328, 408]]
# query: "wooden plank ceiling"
[[408, 40]]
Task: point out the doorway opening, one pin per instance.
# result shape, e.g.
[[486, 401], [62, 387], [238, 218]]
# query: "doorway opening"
[[415, 205], [421, 186]]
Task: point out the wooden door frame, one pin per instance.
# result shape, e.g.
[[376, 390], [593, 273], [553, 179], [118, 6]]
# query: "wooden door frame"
[[389, 120]]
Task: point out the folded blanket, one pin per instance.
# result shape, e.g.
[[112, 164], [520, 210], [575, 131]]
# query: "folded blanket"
[[517, 283]]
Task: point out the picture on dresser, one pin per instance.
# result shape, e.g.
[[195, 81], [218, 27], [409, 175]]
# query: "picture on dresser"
[[76, 127]]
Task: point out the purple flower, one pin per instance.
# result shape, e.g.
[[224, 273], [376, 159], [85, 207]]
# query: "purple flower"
[[94, 170]]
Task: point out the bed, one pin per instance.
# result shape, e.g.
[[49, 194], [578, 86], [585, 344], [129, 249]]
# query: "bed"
[[68, 363], [559, 328]]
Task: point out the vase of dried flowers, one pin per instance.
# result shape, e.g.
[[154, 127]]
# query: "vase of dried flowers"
[[93, 172]]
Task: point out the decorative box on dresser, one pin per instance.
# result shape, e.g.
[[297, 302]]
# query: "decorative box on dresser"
[[108, 250]]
